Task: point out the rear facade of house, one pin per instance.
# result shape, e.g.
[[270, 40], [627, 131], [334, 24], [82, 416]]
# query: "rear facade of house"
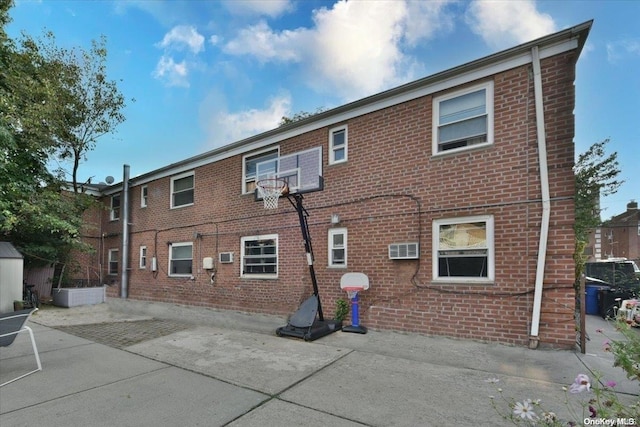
[[444, 191]]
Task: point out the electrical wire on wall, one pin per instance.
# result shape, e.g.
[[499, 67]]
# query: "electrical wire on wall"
[[419, 212]]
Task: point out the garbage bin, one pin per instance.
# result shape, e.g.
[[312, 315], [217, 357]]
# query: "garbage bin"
[[591, 301]]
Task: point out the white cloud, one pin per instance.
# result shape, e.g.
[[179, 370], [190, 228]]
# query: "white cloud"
[[264, 44], [618, 50], [183, 36], [502, 23], [363, 58], [171, 73], [426, 18], [355, 48], [224, 127], [272, 8]]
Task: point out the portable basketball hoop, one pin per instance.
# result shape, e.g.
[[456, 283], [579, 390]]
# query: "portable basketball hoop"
[[270, 190], [352, 284]]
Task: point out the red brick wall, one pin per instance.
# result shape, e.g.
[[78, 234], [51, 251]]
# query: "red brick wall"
[[390, 190]]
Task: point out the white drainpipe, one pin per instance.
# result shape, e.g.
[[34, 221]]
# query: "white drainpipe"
[[534, 340], [124, 217]]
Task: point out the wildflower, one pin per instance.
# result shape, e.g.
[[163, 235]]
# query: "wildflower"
[[599, 330], [549, 417], [611, 384], [524, 410], [580, 384], [492, 380]]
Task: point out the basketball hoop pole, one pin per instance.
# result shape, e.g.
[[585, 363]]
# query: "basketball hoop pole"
[[304, 227]]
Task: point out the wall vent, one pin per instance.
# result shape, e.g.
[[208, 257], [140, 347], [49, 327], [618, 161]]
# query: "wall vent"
[[408, 250]]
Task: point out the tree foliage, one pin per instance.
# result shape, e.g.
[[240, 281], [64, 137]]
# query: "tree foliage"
[[596, 175], [89, 104], [54, 104], [299, 116]]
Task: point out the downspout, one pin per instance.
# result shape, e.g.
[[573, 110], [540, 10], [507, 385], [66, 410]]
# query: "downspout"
[[534, 339], [124, 280]]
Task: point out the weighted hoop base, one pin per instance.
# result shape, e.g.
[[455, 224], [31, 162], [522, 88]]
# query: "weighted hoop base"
[[356, 329]]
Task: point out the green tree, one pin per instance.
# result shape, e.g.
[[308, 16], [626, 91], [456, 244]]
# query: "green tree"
[[596, 175], [89, 104], [54, 103], [299, 116]]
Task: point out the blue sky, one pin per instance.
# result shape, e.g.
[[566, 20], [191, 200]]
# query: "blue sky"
[[207, 73]]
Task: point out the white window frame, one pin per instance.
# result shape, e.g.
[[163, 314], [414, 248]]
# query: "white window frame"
[[143, 257], [246, 179], [144, 195], [489, 220], [114, 213], [488, 87], [114, 254], [333, 148], [182, 176], [243, 256], [171, 259], [331, 246]]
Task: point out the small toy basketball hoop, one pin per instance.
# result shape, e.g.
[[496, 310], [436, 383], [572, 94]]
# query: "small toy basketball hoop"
[[352, 283], [270, 189]]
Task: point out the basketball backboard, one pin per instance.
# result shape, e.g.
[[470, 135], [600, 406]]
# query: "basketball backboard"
[[301, 170]]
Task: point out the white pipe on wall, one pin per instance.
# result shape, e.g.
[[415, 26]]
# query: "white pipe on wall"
[[124, 217], [546, 203]]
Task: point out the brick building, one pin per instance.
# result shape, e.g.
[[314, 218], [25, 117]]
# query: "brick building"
[[618, 238], [471, 167]]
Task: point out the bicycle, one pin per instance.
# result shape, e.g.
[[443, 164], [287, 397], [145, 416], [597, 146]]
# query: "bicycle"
[[30, 297]]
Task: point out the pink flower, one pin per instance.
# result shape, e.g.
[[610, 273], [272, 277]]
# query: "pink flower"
[[599, 330], [611, 384], [580, 384]]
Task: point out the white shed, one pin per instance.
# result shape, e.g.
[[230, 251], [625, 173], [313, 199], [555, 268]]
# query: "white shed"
[[11, 274]]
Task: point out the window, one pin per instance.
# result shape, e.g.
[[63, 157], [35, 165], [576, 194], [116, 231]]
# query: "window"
[[182, 190], [249, 167], [113, 262], [115, 207], [180, 259], [338, 145], [259, 256], [144, 194], [463, 119], [337, 247], [463, 248], [143, 257]]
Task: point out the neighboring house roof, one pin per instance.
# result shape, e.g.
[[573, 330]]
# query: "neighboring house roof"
[[550, 45], [630, 217], [7, 250]]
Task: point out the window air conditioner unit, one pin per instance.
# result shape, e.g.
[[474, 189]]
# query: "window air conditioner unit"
[[408, 250], [226, 257]]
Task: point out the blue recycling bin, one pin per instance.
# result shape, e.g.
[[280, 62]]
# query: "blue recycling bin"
[[591, 301]]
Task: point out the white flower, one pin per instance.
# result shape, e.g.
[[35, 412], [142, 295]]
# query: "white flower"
[[580, 384], [492, 380], [524, 410]]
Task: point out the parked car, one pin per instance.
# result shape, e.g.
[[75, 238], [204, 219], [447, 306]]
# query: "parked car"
[[613, 272]]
